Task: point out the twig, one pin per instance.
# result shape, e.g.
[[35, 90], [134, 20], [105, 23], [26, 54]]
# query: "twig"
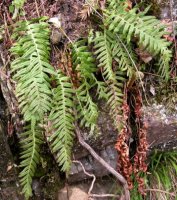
[[162, 191], [92, 184], [103, 163], [88, 174], [37, 10], [104, 195]]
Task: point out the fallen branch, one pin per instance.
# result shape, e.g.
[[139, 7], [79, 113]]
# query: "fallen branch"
[[119, 177]]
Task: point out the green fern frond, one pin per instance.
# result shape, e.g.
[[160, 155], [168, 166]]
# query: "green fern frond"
[[104, 44], [83, 61], [32, 69], [30, 143], [87, 110], [124, 55], [62, 119], [147, 29], [84, 65], [115, 98]]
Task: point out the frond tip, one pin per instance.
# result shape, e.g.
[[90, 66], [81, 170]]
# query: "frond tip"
[[30, 143]]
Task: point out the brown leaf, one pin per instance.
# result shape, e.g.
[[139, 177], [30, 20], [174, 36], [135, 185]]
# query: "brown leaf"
[[144, 55]]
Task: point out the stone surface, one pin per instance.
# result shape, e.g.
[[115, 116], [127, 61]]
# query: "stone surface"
[[161, 135], [162, 130], [80, 191]]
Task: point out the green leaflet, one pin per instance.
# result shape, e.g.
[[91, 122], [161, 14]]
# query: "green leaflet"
[[115, 4], [18, 3], [62, 119]]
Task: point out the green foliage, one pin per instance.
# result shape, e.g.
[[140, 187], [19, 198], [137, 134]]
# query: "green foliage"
[[162, 176], [162, 165], [17, 4], [147, 29], [115, 4], [32, 69], [31, 139], [84, 65], [104, 45], [62, 118]]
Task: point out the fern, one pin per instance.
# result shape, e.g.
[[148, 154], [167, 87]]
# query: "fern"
[[30, 143], [146, 28], [32, 69], [62, 119], [104, 51], [84, 65]]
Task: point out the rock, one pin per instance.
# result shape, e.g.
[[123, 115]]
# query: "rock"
[[162, 127], [74, 193], [161, 135], [79, 191]]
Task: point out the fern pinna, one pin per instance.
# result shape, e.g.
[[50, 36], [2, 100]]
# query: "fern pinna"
[[31, 70]]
